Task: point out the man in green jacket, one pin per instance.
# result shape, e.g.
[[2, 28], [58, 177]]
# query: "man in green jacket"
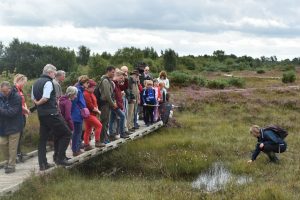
[[108, 100]]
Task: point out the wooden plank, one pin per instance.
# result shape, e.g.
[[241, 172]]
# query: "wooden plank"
[[10, 183]]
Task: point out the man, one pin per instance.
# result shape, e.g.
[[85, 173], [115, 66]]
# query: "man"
[[59, 79], [133, 100], [51, 122], [108, 102], [268, 142], [11, 123]]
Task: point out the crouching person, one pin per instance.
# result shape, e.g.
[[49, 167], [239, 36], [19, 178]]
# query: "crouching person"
[[11, 123], [268, 141]]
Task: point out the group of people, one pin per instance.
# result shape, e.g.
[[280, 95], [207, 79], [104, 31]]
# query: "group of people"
[[108, 109]]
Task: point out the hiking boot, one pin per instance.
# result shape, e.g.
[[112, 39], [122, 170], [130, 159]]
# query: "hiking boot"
[[132, 130], [9, 169], [112, 137], [88, 147], [273, 158], [77, 153], [99, 144], [46, 166], [63, 162]]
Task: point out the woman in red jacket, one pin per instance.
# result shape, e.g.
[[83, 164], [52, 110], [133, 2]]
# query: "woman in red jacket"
[[92, 121]]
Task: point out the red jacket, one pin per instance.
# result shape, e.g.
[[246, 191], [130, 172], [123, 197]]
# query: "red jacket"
[[118, 93], [91, 101]]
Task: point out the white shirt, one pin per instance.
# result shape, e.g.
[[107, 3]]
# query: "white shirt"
[[48, 87]]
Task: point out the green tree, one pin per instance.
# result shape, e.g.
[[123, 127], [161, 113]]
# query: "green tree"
[[219, 55], [150, 53], [129, 55], [170, 59], [97, 66], [83, 55]]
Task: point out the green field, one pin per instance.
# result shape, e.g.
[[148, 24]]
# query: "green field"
[[164, 164]]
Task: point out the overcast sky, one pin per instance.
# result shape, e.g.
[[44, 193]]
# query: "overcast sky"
[[248, 27]]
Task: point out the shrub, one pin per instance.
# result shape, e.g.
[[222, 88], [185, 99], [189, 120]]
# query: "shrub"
[[287, 68], [180, 78], [289, 77], [260, 71], [237, 82], [217, 84], [198, 81]]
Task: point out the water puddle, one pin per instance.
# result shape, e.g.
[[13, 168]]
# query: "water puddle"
[[217, 177]]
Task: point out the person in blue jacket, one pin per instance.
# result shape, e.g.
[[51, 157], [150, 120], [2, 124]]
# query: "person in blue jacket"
[[268, 142], [77, 104]]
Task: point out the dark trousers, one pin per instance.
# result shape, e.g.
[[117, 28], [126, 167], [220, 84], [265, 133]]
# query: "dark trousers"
[[270, 149], [149, 117], [21, 135], [104, 118], [53, 124]]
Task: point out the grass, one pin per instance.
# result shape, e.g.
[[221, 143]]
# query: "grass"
[[163, 165]]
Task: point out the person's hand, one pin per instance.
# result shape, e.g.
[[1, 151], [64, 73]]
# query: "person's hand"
[[26, 111], [261, 145], [249, 161], [115, 106]]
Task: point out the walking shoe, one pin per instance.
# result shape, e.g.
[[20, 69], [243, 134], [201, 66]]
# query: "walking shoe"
[[88, 147], [9, 169], [132, 129], [63, 162], [77, 153], [106, 141], [99, 144], [112, 137], [124, 136], [46, 166]]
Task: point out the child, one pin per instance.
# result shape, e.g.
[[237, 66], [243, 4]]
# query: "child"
[[157, 97], [92, 121], [149, 102], [268, 142], [165, 110]]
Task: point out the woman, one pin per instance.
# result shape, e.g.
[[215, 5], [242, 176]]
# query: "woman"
[[163, 79], [92, 121], [77, 104], [65, 106], [19, 82]]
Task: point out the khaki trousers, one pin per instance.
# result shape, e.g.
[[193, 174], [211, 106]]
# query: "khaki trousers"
[[130, 115], [8, 146]]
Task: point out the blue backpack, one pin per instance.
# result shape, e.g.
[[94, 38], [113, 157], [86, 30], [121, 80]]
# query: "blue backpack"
[[150, 96]]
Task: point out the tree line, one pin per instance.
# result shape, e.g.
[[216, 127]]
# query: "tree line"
[[28, 58]]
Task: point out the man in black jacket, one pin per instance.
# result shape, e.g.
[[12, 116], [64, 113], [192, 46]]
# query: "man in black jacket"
[[10, 124], [51, 122]]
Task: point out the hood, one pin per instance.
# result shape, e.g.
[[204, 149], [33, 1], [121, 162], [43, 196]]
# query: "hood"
[[64, 98]]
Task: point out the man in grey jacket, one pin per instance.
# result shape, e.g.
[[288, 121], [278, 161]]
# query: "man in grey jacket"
[[108, 100]]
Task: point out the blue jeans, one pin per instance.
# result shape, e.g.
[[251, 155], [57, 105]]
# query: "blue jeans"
[[113, 116], [76, 138]]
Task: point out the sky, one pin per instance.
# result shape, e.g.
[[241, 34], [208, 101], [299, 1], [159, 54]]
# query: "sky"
[[190, 27]]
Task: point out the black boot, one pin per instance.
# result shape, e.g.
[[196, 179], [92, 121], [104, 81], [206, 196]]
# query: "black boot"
[[272, 156]]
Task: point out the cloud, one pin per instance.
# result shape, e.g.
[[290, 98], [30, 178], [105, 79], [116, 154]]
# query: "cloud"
[[252, 27], [183, 42]]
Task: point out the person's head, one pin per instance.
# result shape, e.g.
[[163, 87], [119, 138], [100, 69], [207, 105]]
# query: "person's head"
[[155, 82], [161, 85], [255, 130], [60, 75], [149, 84], [147, 70], [119, 75], [125, 70], [50, 70], [163, 75], [110, 72], [135, 74], [92, 86], [20, 80], [5, 88], [84, 81], [71, 92]]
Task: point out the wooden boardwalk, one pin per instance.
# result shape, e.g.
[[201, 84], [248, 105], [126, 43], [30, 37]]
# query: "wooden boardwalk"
[[9, 183]]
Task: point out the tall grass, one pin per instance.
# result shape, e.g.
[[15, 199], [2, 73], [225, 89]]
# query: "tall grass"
[[162, 165]]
